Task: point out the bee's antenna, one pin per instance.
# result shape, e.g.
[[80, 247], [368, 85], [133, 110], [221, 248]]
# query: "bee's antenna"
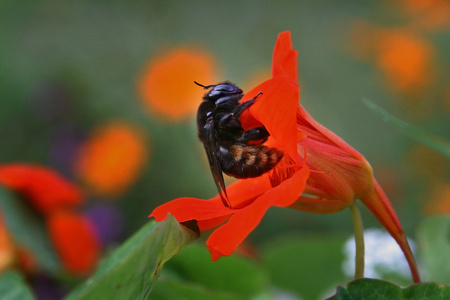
[[205, 87]]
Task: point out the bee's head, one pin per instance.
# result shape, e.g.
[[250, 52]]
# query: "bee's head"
[[220, 90]]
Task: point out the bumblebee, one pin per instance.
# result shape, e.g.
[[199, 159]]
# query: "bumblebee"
[[231, 149]]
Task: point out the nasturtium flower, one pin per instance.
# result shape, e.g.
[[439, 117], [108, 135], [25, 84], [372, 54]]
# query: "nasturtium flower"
[[319, 173], [250, 198]]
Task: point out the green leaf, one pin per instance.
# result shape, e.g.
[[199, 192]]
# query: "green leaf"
[[434, 242], [305, 265], [131, 270], [376, 289], [233, 277], [168, 289], [28, 230], [12, 287], [437, 143]]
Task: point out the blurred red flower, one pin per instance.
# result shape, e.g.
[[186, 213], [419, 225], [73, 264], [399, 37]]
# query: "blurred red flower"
[[75, 241], [45, 189], [57, 199], [316, 162]]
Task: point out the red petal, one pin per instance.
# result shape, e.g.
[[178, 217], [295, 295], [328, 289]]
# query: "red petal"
[[44, 188], [211, 213], [277, 110], [75, 241], [284, 60], [243, 191], [185, 209], [204, 225], [224, 240], [319, 205]]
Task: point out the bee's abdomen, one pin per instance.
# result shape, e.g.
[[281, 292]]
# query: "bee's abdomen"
[[244, 161]]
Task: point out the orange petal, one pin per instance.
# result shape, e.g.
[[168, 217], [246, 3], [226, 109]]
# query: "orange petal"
[[224, 240], [44, 188], [75, 241], [378, 203], [284, 60]]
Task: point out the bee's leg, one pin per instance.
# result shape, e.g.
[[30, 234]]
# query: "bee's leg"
[[231, 120], [254, 134], [243, 106]]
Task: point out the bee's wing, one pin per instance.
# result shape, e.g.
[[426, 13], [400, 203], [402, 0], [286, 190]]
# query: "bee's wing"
[[211, 148]]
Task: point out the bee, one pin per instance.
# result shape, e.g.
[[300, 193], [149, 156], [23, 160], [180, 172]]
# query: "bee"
[[231, 149]]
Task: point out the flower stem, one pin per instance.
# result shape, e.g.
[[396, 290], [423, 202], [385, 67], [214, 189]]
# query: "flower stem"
[[359, 240]]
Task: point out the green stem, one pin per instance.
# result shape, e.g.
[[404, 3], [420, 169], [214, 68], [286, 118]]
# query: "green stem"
[[359, 240]]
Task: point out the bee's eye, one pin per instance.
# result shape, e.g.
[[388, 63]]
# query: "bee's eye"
[[224, 89]]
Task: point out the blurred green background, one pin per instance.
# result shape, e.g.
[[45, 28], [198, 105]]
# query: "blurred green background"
[[92, 54]]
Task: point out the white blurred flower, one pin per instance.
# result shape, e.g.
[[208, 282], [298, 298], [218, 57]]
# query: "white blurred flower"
[[382, 255]]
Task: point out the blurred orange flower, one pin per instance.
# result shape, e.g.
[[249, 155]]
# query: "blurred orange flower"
[[75, 241], [406, 60], [167, 84], [7, 248], [13, 255], [428, 14], [111, 159], [440, 203], [427, 163], [45, 189]]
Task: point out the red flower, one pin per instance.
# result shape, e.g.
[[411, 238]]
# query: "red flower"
[[46, 190], [250, 198], [316, 162]]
